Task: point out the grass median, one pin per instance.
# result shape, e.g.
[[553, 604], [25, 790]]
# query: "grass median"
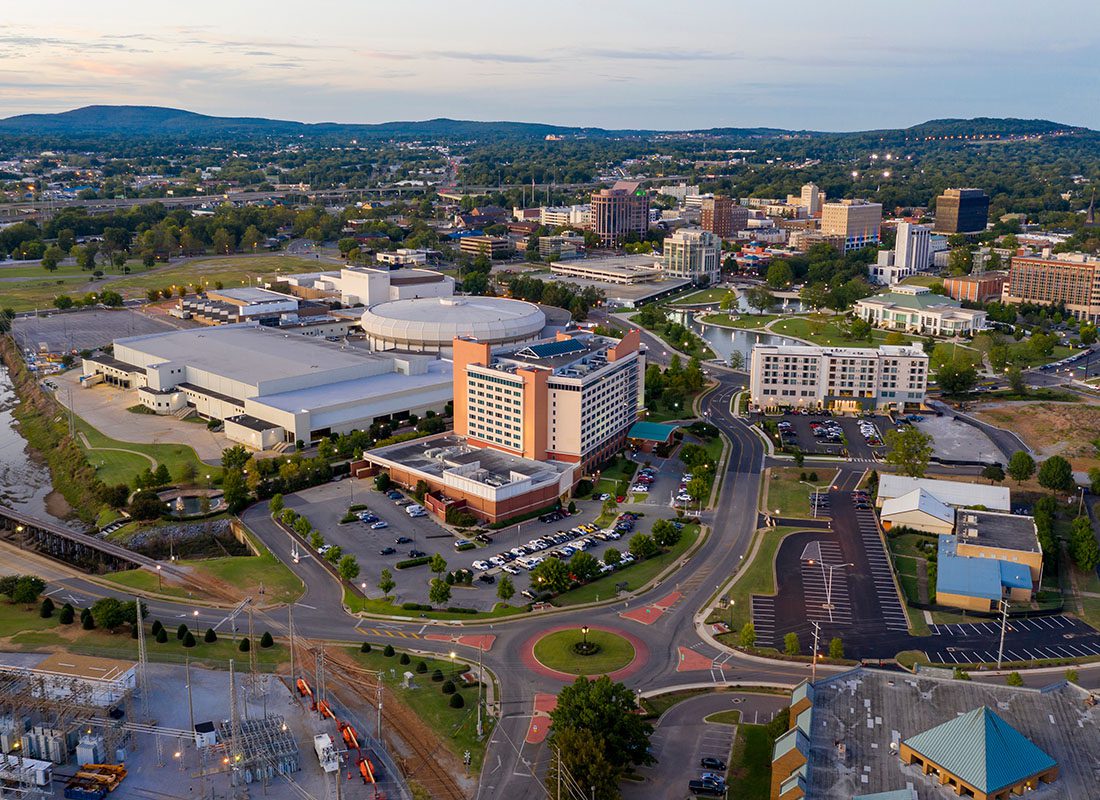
[[556, 651]]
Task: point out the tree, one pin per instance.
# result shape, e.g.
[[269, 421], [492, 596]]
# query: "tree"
[[161, 636], [439, 592], [23, 589], [642, 546], [612, 556], [760, 298], [582, 755], [223, 241], [780, 275], [550, 576], [910, 450], [234, 490], [245, 645], [814, 295], [162, 476], [189, 640], [266, 640], [181, 631], [275, 504], [252, 238], [1021, 466], [993, 473], [790, 644], [956, 378], [52, 257], [959, 261], [609, 711], [1083, 548], [67, 614], [386, 582], [88, 623], [697, 489], [1016, 382], [235, 457], [1056, 474], [505, 589], [747, 637], [46, 609], [665, 534], [110, 613], [348, 567], [62, 302], [210, 636], [382, 482], [584, 566], [1087, 333], [437, 564], [1014, 679], [836, 648]]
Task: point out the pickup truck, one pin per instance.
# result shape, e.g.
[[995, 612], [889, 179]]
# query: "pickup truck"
[[705, 788]]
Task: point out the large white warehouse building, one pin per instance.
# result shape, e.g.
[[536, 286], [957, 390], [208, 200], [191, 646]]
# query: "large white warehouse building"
[[431, 324], [271, 387]]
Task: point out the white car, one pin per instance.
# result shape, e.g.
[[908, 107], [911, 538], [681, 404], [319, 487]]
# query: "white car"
[[518, 551], [482, 565], [497, 561], [510, 569], [626, 558], [377, 526]]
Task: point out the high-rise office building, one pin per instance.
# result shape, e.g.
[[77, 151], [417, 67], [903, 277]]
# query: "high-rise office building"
[[962, 211], [619, 211], [1067, 279], [913, 248], [811, 199], [572, 398], [693, 254], [856, 222], [721, 216]]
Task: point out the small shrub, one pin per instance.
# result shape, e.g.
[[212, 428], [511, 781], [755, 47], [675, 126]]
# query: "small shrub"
[[448, 687], [245, 645], [404, 660], [161, 636], [88, 624], [189, 639], [364, 647], [456, 701], [67, 614], [46, 611], [181, 631], [210, 636], [388, 651], [437, 675], [421, 667]]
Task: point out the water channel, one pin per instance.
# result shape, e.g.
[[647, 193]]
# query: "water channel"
[[24, 478], [725, 341]]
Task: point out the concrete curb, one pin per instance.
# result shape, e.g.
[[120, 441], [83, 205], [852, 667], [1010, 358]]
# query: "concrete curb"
[[685, 687]]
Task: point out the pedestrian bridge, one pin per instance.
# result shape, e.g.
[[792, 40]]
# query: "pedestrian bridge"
[[71, 547]]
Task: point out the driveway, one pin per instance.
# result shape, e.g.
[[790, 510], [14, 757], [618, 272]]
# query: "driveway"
[[104, 408]]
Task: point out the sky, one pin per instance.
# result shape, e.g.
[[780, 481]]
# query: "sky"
[[821, 65]]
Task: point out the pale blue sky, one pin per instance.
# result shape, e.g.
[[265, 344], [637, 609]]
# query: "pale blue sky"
[[827, 64]]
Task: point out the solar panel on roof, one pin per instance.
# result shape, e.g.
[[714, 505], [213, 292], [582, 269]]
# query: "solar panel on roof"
[[551, 349]]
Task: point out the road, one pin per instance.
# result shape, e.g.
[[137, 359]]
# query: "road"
[[664, 623]]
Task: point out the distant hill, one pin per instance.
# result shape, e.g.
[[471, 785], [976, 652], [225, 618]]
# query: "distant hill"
[[155, 121]]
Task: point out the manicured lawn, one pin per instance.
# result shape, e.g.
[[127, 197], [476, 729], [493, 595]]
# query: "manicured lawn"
[[456, 727], [693, 346], [635, 576], [230, 270], [825, 330], [114, 467], [620, 469], [907, 576], [757, 577], [31, 294], [747, 321], [142, 581], [751, 763], [1021, 355], [908, 544], [922, 280], [705, 296], [787, 493], [556, 652], [246, 573], [730, 717], [16, 619], [380, 607]]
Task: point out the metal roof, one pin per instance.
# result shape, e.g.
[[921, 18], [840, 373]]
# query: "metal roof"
[[974, 576], [651, 431], [954, 493], [981, 749], [551, 349], [919, 500]]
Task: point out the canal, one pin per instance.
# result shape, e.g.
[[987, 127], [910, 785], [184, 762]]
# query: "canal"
[[24, 478]]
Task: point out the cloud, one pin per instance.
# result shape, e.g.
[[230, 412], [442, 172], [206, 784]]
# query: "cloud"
[[501, 58], [658, 55]]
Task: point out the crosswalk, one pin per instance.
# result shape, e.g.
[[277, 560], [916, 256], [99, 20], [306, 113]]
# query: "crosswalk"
[[890, 609], [389, 633], [825, 590]]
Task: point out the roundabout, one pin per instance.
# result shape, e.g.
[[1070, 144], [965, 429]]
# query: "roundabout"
[[565, 652]]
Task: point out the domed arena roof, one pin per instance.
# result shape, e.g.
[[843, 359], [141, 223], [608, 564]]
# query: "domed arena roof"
[[433, 322]]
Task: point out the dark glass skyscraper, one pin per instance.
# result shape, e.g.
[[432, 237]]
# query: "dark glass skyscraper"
[[962, 211]]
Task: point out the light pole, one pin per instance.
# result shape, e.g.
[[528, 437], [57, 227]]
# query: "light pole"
[[584, 637], [454, 670], [829, 582], [817, 493], [160, 585], [480, 680]]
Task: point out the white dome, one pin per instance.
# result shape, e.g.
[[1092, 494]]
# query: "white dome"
[[432, 323]]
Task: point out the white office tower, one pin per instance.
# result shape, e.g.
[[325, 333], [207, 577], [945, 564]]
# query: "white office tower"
[[913, 249]]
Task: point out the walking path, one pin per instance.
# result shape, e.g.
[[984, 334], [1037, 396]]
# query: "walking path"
[[87, 446]]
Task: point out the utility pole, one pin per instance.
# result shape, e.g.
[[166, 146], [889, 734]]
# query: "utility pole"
[[479, 683], [190, 704], [378, 704], [290, 625], [1004, 624], [813, 668]]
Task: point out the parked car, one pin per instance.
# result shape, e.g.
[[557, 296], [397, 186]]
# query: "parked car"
[[712, 763], [377, 526], [417, 554], [510, 569], [402, 540], [387, 551], [462, 542], [486, 578], [480, 565]]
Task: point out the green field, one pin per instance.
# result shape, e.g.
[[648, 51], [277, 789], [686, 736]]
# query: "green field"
[[555, 651], [746, 321], [456, 727], [17, 619], [230, 270], [385, 608], [113, 465], [635, 576], [922, 280], [825, 330], [705, 296], [788, 496], [750, 764], [730, 717], [39, 294]]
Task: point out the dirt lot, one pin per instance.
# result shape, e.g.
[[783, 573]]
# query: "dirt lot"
[[1065, 429]]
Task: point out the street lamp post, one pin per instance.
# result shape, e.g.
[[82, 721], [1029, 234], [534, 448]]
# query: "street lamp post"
[[817, 493], [829, 582], [160, 585], [454, 670], [584, 637]]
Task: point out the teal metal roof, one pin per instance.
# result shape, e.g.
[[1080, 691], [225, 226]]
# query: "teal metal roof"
[[651, 431], [981, 749]]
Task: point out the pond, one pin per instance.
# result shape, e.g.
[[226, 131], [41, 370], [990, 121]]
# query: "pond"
[[190, 505], [725, 341]]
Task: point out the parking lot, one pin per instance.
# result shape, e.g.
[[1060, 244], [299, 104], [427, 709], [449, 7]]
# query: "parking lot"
[[83, 330], [1031, 639], [325, 505], [858, 437]]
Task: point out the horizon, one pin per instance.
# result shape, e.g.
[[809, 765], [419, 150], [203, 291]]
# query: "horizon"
[[609, 66]]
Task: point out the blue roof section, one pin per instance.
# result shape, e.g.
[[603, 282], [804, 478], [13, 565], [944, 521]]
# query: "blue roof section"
[[551, 349], [1015, 576], [976, 577], [464, 234], [981, 749], [651, 431]]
